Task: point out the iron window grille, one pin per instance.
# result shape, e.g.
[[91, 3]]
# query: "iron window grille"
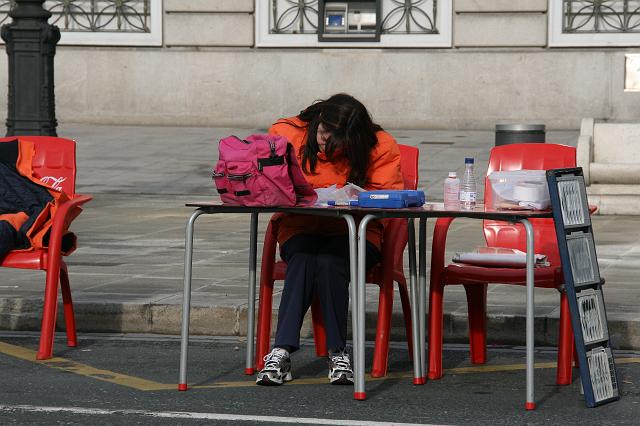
[[594, 22], [102, 22], [416, 22]]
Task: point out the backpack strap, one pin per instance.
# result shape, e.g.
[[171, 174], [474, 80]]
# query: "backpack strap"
[[277, 160]]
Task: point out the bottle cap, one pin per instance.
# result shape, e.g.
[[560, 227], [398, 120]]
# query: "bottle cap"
[[452, 174], [468, 160]]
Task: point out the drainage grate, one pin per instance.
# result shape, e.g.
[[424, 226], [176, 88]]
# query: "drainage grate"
[[571, 202], [582, 258], [603, 378], [592, 317]]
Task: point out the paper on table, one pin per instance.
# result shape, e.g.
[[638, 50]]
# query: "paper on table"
[[338, 196], [498, 257]]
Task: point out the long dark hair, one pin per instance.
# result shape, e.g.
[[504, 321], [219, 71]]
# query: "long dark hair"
[[353, 134]]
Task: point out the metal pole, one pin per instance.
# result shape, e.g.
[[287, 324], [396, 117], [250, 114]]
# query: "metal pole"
[[186, 299], [251, 298], [422, 293], [31, 47], [359, 371], [530, 402], [353, 279], [415, 305]]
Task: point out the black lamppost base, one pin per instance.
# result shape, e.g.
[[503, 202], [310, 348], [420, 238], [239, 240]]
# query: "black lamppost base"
[[31, 47]]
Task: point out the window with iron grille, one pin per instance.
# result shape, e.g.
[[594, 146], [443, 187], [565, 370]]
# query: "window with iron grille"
[[594, 22], [102, 22], [405, 23]]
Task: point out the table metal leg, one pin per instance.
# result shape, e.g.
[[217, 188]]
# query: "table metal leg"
[[530, 402], [359, 391], [415, 305], [422, 294], [186, 299], [251, 298], [353, 275]]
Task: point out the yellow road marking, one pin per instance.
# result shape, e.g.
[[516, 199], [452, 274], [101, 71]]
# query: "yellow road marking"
[[497, 368], [149, 385], [84, 370]]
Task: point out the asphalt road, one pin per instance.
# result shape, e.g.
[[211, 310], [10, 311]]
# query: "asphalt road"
[[118, 380]]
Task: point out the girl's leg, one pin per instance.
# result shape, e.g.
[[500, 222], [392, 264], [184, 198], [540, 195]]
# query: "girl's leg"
[[300, 253], [332, 286]]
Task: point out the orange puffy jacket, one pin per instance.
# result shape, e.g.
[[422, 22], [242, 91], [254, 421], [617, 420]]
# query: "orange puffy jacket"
[[384, 173]]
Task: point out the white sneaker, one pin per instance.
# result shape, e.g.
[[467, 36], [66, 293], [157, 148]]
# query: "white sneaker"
[[340, 372], [277, 368]]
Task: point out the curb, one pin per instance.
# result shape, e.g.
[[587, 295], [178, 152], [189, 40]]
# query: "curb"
[[225, 320]]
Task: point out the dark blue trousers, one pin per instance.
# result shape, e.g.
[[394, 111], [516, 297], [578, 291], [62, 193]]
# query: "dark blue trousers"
[[317, 265]]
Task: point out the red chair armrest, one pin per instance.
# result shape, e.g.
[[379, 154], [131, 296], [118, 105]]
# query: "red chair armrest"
[[64, 215]]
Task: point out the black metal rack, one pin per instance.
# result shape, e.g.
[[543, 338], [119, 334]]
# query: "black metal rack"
[[583, 285]]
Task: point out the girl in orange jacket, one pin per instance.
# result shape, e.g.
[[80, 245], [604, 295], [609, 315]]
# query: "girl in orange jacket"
[[336, 142]]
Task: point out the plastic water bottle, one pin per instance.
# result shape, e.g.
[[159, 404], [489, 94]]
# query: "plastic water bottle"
[[468, 186], [452, 191]]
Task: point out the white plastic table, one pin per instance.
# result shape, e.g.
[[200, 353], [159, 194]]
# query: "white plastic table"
[[418, 295], [357, 250], [219, 208]]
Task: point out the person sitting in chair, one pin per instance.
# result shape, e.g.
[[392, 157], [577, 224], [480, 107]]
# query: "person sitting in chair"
[[336, 142]]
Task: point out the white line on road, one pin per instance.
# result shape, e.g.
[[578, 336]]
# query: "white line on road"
[[196, 416]]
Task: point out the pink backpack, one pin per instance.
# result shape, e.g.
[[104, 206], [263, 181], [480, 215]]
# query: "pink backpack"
[[261, 170]]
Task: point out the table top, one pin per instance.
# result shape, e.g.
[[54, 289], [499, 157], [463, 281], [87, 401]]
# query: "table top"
[[430, 209]]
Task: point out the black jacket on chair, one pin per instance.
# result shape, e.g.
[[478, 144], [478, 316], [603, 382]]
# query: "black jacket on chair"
[[18, 197]]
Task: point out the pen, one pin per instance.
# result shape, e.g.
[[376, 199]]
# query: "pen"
[[350, 203]]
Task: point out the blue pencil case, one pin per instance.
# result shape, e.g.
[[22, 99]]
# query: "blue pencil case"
[[391, 199]]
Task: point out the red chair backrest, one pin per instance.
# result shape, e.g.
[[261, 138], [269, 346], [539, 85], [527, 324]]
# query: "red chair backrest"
[[395, 233], [396, 229], [398, 232], [54, 161], [409, 166], [529, 156]]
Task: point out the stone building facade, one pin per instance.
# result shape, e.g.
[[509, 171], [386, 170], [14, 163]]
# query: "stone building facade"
[[465, 64]]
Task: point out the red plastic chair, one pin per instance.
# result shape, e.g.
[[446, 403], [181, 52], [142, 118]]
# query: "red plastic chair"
[[501, 234], [383, 274], [54, 157]]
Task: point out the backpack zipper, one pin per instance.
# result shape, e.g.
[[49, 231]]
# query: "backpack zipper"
[[243, 177]]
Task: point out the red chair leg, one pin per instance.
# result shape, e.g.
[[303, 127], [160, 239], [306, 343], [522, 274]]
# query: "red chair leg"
[[319, 334], [565, 344], [268, 275], [436, 294], [477, 307], [47, 331], [263, 329], [69, 317], [383, 329], [406, 312]]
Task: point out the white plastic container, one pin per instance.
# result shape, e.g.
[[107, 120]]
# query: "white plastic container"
[[452, 191], [519, 189]]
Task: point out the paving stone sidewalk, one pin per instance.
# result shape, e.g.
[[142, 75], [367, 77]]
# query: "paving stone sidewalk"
[[127, 274]]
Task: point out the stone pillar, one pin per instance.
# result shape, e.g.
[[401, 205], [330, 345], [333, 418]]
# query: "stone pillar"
[[31, 46]]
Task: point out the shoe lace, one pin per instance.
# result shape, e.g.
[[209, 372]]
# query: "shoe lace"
[[273, 359], [341, 361]]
